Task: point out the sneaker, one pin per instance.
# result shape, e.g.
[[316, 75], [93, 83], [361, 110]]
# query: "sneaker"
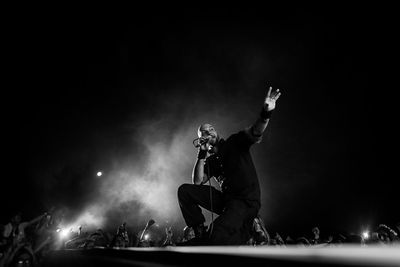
[[200, 239], [200, 231]]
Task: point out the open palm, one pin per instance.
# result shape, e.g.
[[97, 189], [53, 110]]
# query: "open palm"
[[271, 98]]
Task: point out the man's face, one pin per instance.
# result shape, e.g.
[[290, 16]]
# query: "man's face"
[[207, 130]]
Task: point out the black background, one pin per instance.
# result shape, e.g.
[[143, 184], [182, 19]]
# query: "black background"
[[76, 81]]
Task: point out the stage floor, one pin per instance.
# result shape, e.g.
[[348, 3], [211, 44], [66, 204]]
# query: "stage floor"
[[345, 255]]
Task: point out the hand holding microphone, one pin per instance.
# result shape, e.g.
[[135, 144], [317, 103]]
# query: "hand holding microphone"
[[201, 142], [203, 145]]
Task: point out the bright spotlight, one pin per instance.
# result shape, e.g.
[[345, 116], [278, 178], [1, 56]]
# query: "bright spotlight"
[[146, 237], [365, 235], [99, 174], [63, 233]]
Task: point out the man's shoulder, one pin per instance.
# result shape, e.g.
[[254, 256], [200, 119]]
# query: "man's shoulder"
[[242, 134], [235, 135], [245, 137]]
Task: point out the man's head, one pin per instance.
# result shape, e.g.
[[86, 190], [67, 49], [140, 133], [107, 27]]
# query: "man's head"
[[207, 130]]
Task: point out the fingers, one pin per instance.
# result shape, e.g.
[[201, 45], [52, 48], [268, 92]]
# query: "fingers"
[[205, 138], [277, 95], [273, 95], [269, 91]]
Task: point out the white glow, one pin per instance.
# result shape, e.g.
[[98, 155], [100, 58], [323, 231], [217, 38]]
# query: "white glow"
[[365, 235], [153, 182], [64, 233], [146, 237], [138, 188], [90, 218], [344, 255], [99, 174]]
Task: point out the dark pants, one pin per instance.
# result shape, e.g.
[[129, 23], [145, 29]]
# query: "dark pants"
[[233, 225]]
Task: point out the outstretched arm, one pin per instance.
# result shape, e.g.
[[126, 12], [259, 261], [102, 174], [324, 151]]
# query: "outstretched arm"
[[269, 105]]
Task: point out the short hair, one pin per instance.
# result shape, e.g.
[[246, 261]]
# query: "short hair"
[[198, 129]]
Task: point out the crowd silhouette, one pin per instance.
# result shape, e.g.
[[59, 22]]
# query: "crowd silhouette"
[[26, 243]]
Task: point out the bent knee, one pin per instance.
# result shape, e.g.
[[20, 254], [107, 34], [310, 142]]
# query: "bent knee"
[[183, 189]]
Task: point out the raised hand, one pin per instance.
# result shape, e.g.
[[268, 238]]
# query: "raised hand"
[[204, 141], [271, 98]]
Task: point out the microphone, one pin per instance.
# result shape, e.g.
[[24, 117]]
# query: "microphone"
[[198, 142]]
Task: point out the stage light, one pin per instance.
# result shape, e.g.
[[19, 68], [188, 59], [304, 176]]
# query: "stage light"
[[99, 174], [365, 235], [64, 233]]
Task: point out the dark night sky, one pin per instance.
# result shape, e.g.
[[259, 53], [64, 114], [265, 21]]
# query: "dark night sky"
[[124, 93]]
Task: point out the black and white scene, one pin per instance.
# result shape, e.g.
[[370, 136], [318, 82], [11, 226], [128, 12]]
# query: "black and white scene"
[[200, 136]]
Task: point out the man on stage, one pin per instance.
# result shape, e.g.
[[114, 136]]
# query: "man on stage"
[[230, 163]]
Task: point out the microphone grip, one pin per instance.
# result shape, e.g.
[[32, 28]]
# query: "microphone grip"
[[204, 141], [201, 141]]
